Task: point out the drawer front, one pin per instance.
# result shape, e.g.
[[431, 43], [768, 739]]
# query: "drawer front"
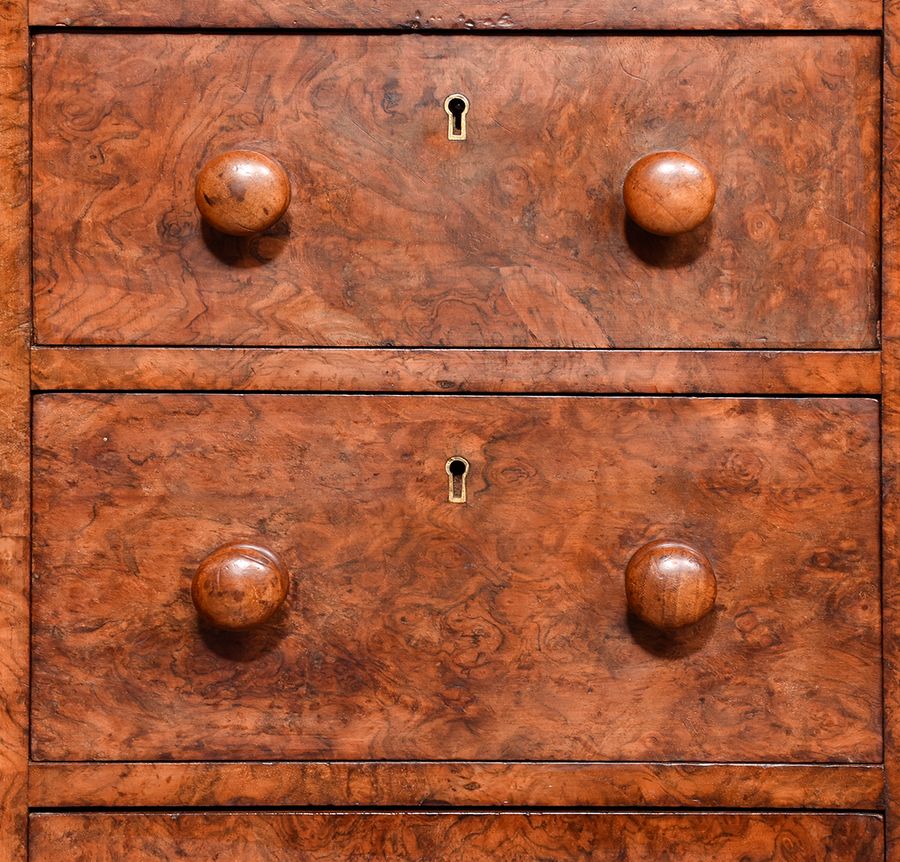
[[286, 837], [420, 628], [517, 236]]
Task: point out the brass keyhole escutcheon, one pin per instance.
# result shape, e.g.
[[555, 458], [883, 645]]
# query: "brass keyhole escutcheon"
[[457, 469], [456, 106]]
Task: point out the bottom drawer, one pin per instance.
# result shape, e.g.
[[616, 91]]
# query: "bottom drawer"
[[279, 837]]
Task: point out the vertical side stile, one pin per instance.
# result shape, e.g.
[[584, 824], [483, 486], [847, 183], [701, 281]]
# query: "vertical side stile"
[[15, 292], [891, 417]]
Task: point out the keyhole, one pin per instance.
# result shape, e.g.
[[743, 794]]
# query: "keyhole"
[[456, 106], [457, 469]]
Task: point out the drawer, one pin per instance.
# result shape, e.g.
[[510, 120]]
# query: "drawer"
[[287, 837], [416, 628], [515, 237]]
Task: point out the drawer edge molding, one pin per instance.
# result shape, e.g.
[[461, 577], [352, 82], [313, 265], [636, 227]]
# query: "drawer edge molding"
[[479, 16], [398, 784], [643, 372]]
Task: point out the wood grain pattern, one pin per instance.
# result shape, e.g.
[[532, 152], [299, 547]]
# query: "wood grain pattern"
[[891, 420], [416, 837], [15, 293], [669, 193], [372, 370], [242, 192], [614, 785], [240, 586], [420, 629], [393, 237], [669, 584], [491, 15]]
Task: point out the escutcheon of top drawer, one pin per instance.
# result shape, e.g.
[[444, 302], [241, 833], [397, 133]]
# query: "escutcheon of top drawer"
[[516, 236]]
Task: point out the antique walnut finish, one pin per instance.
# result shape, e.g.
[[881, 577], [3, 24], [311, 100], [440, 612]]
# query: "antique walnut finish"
[[455, 783], [489, 15], [412, 837], [670, 584], [517, 237], [491, 654], [241, 192], [239, 586], [15, 294], [891, 421], [417, 628], [669, 193], [388, 370]]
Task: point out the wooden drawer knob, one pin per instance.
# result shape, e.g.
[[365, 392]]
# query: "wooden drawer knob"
[[242, 192], [669, 193], [669, 584], [239, 586]]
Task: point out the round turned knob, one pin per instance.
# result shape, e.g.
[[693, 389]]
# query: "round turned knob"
[[239, 586], [669, 584], [669, 193], [242, 192]]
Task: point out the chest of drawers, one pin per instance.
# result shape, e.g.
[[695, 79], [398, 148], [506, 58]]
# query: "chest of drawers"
[[449, 433]]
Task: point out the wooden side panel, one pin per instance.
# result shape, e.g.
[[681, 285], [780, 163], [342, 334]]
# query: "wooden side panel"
[[422, 629], [408, 837], [475, 15], [516, 237], [750, 372], [891, 421], [498, 785], [15, 289]]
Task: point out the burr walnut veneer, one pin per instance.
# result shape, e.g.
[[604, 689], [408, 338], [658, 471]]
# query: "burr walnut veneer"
[[517, 237], [446, 837], [417, 629], [449, 432]]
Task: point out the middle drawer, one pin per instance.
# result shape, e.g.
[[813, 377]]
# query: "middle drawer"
[[490, 626]]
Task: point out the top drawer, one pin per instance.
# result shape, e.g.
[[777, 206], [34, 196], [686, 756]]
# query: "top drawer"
[[515, 237]]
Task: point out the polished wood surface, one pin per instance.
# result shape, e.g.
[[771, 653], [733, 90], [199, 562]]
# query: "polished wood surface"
[[669, 193], [241, 192], [419, 837], [371, 370], [670, 584], [239, 586], [173, 785], [422, 629], [516, 237], [891, 422], [478, 15], [15, 331]]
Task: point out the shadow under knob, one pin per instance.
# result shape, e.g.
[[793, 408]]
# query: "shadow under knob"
[[669, 193], [239, 585], [670, 584], [242, 192]]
